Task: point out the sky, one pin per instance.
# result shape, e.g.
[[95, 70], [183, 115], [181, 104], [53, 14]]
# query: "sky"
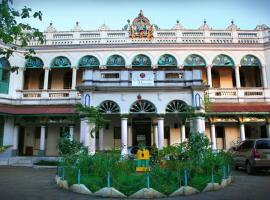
[[164, 13]]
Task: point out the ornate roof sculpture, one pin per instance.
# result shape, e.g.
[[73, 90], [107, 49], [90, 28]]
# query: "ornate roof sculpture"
[[205, 26], [77, 27], [103, 27], [178, 26], [232, 27], [141, 27], [50, 28]]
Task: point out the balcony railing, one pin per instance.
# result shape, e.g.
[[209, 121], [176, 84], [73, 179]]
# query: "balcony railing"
[[238, 94], [48, 94]]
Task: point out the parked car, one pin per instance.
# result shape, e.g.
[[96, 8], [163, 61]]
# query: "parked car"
[[252, 154]]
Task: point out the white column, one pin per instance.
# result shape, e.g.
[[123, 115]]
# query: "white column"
[[15, 139], [71, 133], [237, 76], [160, 133], [42, 138], [82, 130], [268, 130], [156, 135], [74, 78], [100, 140], [46, 78], [183, 132], [213, 137], [209, 76], [197, 125], [242, 132], [124, 136], [90, 138], [264, 76]]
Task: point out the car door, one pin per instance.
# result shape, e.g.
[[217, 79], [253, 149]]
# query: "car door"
[[245, 152]]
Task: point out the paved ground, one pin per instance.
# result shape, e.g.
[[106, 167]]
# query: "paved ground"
[[24, 183]]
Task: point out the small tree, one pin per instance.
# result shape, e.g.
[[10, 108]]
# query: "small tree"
[[14, 34]]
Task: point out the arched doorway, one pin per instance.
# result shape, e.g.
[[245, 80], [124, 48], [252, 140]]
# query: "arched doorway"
[[195, 61], [223, 72], [250, 72]]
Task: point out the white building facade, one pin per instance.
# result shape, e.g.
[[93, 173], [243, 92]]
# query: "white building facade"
[[144, 79]]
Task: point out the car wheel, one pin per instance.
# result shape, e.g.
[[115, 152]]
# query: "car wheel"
[[249, 168]]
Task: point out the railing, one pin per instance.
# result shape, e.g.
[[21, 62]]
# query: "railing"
[[238, 93], [52, 94]]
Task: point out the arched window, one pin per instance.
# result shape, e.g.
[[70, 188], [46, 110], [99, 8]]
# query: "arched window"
[[250, 61], [60, 62], [194, 60], [167, 60], [142, 106], [109, 107], [34, 62], [223, 61], [116, 61], [176, 106], [140, 61], [4, 75], [68, 80], [89, 62]]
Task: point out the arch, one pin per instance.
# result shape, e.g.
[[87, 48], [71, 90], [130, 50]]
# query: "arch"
[[194, 60], [141, 60], [109, 107], [60, 62], [167, 60], [34, 62], [142, 106], [116, 61], [176, 106], [89, 61], [250, 61], [223, 60]]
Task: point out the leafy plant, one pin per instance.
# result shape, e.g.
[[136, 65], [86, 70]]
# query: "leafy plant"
[[15, 34]]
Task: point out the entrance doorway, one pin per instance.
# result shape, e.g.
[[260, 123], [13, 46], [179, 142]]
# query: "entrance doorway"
[[141, 129]]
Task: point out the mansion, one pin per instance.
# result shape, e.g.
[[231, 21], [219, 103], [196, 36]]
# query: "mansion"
[[144, 79]]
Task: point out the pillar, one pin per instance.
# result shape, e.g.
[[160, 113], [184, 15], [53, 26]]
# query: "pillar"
[[74, 78], [71, 133], [268, 130], [237, 76], [209, 76], [160, 133], [90, 138], [197, 125], [183, 132], [264, 77], [242, 132], [46, 78], [124, 133], [213, 137], [156, 135], [42, 142], [82, 130], [100, 140], [15, 140]]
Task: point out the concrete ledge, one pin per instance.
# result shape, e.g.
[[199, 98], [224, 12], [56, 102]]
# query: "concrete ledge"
[[224, 183], [147, 193], [109, 192], [184, 191], [63, 184], [80, 188], [44, 167], [212, 187]]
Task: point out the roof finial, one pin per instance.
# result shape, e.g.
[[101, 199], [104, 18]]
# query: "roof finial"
[[51, 23], [232, 22], [177, 21], [141, 13], [128, 21], [204, 21], [77, 23]]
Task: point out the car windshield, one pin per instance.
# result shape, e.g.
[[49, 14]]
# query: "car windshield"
[[263, 144]]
